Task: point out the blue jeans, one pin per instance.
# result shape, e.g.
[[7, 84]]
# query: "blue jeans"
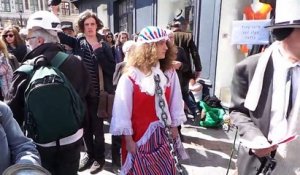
[[190, 101]]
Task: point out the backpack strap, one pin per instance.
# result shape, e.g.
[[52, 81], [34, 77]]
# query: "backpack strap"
[[25, 68], [59, 58]]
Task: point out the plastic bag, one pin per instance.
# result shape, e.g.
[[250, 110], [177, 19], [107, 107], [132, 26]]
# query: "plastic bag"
[[213, 116]]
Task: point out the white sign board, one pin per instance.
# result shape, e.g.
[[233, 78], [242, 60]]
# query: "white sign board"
[[250, 32]]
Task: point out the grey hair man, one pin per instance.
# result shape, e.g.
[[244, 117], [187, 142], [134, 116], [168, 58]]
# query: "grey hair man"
[[60, 156]]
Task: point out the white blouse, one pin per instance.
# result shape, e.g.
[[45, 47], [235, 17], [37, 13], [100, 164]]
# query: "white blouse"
[[122, 108]]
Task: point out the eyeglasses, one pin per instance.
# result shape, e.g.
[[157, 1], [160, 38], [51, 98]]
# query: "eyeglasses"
[[10, 35], [27, 39]]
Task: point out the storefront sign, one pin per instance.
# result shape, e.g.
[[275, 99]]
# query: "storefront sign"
[[250, 32]]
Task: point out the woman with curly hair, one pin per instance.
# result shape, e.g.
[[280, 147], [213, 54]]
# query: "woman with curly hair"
[[14, 43], [148, 81]]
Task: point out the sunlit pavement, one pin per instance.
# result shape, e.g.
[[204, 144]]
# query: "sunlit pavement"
[[209, 151]]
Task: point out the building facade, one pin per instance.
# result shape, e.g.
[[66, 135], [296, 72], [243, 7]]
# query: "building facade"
[[99, 7], [16, 12]]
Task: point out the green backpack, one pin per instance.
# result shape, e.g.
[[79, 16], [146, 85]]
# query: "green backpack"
[[53, 108]]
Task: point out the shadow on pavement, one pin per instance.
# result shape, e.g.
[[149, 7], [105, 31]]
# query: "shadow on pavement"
[[215, 145], [206, 159]]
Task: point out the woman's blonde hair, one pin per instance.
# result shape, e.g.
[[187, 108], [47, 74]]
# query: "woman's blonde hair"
[[171, 55], [3, 48], [144, 56]]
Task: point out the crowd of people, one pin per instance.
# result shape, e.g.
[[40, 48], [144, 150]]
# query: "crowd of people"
[[133, 68], [50, 96]]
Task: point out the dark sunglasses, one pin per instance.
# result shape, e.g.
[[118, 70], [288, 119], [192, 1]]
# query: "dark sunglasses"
[[10, 35]]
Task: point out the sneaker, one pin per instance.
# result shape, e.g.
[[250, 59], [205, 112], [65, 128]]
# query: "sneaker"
[[85, 163], [96, 167], [190, 116]]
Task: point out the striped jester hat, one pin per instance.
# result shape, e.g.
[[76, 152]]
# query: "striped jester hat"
[[152, 34]]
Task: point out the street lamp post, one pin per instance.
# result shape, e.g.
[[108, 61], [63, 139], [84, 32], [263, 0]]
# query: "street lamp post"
[[21, 19]]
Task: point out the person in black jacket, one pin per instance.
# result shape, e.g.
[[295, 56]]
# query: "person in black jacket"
[[94, 52], [185, 40], [62, 156]]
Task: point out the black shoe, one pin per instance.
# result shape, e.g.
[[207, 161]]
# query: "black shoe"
[[97, 167], [85, 163], [116, 169]]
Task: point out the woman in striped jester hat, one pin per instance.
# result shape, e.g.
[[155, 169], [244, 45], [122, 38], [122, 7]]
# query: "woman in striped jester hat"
[[137, 112]]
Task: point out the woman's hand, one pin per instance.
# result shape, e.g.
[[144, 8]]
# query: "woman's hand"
[[130, 145], [174, 132]]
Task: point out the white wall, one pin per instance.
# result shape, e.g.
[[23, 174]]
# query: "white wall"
[[228, 55], [166, 10]]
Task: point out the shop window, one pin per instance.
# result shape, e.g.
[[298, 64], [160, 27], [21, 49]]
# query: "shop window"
[[19, 5], [5, 6], [34, 5], [125, 8], [73, 9], [65, 8], [189, 15]]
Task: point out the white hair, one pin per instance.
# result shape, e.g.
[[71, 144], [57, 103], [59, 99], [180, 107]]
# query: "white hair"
[[128, 45], [49, 36]]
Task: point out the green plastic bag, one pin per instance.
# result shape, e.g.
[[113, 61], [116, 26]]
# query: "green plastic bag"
[[213, 116]]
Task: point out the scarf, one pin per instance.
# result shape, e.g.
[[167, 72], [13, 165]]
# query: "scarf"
[[256, 84]]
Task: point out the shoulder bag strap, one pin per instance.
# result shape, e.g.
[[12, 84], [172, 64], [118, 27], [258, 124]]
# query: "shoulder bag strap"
[[101, 81], [59, 59]]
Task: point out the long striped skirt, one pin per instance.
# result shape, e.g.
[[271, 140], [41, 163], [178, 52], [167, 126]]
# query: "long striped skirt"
[[153, 157]]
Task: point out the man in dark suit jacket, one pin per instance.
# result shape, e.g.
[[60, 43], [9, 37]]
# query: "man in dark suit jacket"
[[254, 106], [185, 40]]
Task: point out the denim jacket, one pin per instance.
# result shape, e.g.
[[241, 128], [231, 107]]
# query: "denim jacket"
[[14, 146]]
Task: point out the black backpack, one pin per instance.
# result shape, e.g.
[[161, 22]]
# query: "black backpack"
[[54, 109]]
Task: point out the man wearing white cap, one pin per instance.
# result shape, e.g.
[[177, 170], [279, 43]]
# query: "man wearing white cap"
[[265, 104], [60, 154]]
